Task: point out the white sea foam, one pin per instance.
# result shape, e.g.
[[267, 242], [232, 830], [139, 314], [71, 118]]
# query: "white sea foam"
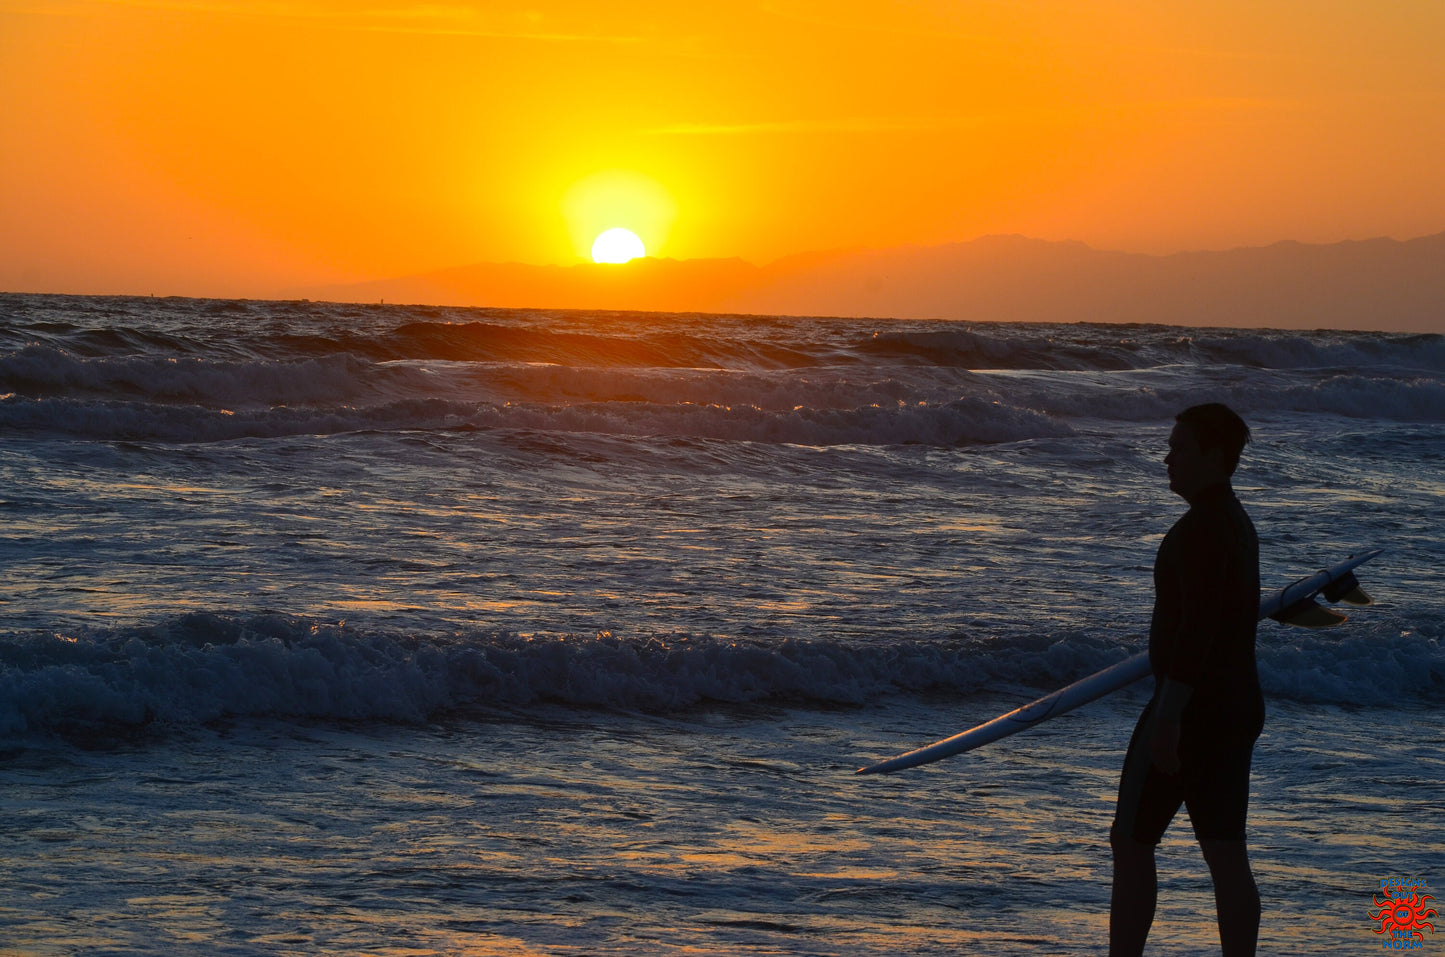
[[204, 667]]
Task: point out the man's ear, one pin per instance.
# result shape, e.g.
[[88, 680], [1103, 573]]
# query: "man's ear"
[[1215, 458]]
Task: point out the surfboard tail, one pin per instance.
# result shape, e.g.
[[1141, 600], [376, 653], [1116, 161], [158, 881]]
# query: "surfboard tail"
[[1299, 604], [1347, 589]]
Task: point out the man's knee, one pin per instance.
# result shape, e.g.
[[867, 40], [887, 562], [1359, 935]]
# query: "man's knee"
[[1127, 848], [1227, 856]]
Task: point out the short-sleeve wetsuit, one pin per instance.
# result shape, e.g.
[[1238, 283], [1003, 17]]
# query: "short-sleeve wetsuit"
[[1206, 604]]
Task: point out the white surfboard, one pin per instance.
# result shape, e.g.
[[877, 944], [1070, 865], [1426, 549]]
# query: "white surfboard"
[[1293, 604]]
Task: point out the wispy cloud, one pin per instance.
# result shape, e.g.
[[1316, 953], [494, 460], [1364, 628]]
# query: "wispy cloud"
[[435, 19], [939, 124], [1224, 104], [860, 124], [896, 19]]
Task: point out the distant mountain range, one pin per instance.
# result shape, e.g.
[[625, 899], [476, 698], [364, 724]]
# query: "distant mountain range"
[[1375, 284]]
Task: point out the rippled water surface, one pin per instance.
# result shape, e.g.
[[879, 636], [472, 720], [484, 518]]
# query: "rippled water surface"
[[403, 630]]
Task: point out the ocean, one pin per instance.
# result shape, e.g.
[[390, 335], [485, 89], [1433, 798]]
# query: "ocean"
[[397, 630]]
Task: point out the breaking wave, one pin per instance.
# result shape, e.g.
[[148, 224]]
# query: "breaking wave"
[[297, 368], [204, 667]]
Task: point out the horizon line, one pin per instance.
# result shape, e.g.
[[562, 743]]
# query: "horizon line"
[[838, 250]]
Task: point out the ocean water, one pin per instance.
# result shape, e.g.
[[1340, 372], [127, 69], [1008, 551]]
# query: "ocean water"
[[378, 629]]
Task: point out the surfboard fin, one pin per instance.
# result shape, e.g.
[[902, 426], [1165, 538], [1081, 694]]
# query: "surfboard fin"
[[1308, 614], [1356, 596], [1347, 589]]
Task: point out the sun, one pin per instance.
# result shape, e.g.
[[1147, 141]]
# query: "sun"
[[617, 245], [617, 197]]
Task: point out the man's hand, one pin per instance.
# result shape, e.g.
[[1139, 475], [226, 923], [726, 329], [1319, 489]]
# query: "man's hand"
[[1164, 747]]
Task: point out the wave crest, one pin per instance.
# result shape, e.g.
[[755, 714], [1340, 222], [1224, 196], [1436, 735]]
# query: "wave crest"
[[203, 667]]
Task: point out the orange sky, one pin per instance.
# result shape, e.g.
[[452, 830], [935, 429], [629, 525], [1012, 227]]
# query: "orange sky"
[[244, 147]]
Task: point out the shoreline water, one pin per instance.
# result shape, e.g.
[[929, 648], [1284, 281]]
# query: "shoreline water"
[[477, 837]]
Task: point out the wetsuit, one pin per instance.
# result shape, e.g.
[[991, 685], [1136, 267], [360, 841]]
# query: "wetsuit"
[[1206, 604]]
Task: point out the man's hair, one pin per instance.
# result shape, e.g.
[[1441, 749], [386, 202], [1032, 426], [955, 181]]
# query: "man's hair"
[[1216, 426]]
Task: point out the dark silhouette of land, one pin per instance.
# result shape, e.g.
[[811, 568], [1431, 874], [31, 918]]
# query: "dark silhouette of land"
[[1375, 284]]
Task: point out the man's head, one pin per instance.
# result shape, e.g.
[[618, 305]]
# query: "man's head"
[[1204, 447]]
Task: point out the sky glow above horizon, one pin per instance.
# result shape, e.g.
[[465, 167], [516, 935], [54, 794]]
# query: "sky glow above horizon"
[[234, 148]]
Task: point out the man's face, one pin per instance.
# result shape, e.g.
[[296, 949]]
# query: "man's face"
[[1189, 469]]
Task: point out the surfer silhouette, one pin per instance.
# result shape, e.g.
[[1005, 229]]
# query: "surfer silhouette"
[[1194, 741]]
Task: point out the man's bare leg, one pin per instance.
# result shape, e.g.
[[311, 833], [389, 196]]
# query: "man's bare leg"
[[1236, 896], [1131, 909]]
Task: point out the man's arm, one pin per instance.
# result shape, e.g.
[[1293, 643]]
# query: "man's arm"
[[1203, 587], [1206, 587]]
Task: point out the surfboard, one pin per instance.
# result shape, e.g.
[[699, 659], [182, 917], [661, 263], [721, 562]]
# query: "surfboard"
[[1296, 603]]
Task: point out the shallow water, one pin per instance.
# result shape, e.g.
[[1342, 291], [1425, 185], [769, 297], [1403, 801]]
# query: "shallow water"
[[719, 831]]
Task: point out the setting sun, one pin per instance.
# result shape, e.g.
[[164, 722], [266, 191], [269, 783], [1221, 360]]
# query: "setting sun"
[[611, 198], [617, 245]]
